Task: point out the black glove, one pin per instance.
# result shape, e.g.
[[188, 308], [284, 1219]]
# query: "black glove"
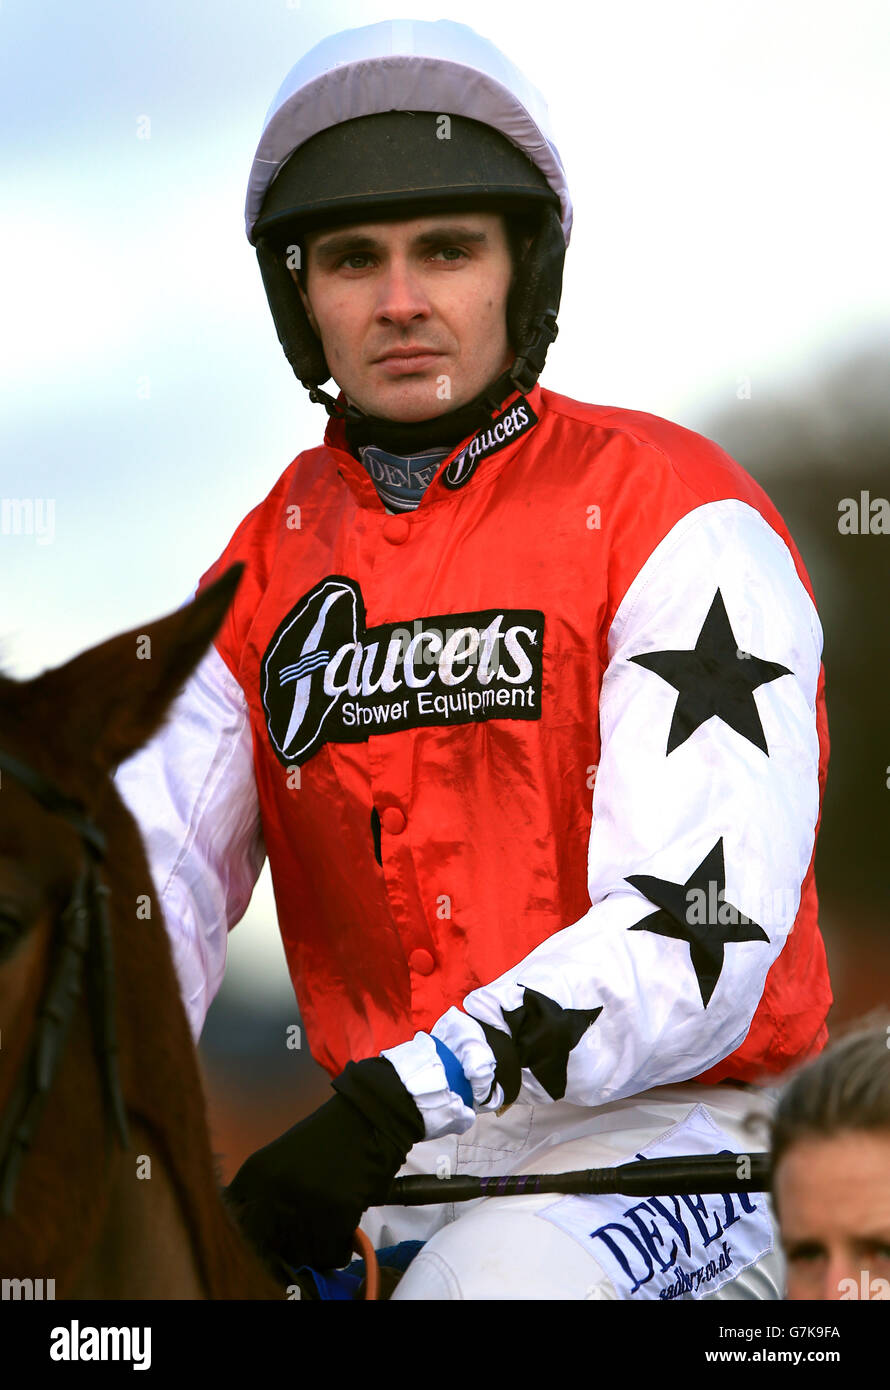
[[301, 1197]]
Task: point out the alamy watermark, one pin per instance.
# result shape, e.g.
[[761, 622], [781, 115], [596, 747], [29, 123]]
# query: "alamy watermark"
[[773, 907], [27, 1289], [29, 516]]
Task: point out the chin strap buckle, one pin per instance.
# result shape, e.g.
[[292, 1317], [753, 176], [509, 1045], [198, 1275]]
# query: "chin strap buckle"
[[335, 408], [527, 368]]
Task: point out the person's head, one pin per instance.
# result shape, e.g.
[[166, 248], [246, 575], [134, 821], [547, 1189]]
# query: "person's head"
[[439, 282], [390, 129], [830, 1148]]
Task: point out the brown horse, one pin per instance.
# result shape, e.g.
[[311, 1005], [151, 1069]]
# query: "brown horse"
[[104, 1220]]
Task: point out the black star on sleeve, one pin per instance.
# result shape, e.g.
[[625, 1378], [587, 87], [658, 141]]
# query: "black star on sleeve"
[[545, 1034], [714, 679], [696, 912]]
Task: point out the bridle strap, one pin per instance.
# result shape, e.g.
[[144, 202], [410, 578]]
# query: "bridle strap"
[[56, 801], [85, 939]]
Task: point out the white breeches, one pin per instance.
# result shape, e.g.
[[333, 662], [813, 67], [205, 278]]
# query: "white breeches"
[[612, 1247]]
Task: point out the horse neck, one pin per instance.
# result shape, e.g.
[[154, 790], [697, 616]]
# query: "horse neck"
[[164, 1094], [148, 1221]]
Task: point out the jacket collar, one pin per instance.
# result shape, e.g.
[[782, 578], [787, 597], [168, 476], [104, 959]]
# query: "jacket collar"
[[335, 433]]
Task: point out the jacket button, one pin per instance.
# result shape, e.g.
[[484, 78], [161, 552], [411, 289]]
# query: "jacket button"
[[393, 820], [421, 961], [396, 530]]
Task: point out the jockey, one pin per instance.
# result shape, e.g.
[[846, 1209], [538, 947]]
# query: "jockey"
[[523, 698]]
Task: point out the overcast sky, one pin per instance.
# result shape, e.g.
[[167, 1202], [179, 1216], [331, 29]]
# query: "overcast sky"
[[727, 160]]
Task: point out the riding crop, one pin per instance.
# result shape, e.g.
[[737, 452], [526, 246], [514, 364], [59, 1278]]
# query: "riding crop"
[[650, 1177]]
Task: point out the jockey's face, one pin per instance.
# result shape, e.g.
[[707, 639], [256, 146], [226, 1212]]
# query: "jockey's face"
[[439, 283], [833, 1204]]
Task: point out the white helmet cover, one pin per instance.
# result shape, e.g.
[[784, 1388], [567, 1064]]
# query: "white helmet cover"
[[405, 65]]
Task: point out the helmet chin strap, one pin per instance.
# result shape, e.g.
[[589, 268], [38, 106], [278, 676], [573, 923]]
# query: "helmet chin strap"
[[405, 437]]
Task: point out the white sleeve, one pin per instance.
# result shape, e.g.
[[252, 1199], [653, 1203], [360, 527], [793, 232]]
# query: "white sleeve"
[[193, 793], [704, 815]]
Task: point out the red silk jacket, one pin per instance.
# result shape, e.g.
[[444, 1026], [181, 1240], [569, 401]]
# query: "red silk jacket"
[[562, 728]]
